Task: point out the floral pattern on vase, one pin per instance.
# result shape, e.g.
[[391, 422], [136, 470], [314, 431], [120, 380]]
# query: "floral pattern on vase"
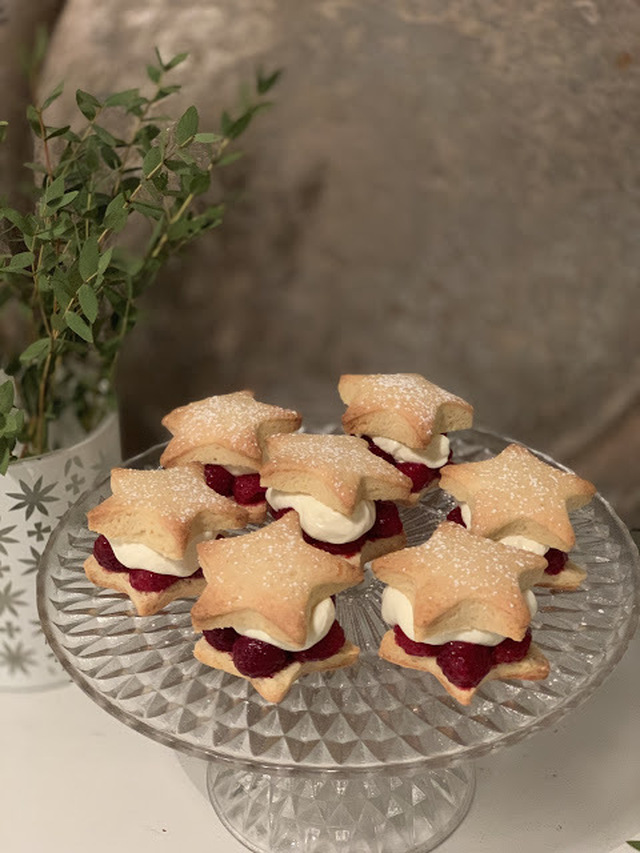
[[34, 494]]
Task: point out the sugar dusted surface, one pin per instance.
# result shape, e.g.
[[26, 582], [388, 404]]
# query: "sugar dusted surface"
[[341, 455], [406, 393], [229, 419], [180, 493], [514, 485], [271, 571], [456, 566]]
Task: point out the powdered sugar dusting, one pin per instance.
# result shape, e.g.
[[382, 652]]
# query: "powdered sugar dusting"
[[231, 420], [180, 493]]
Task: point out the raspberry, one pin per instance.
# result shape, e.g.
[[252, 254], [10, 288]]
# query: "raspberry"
[[257, 659], [456, 516], [378, 451], [342, 549], [328, 646], [419, 474], [556, 561], [247, 489], [145, 581], [219, 479], [465, 664], [278, 513], [411, 647], [510, 651], [387, 521], [221, 639], [103, 552]]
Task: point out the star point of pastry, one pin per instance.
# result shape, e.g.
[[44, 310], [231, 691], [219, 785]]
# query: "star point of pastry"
[[515, 493], [458, 581], [405, 407], [337, 470], [270, 580], [175, 504], [228, 429]]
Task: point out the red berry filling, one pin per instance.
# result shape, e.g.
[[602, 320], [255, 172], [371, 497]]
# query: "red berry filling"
[[387, 523], [325, 648], [420, 475], [466, 664], [456, 516], [556, 561], [245, 489], [219, 479], [221, 639], [140, 579], [257, 659]]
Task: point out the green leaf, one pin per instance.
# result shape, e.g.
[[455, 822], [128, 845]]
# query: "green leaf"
[[129, 98], [87, 104], [89, 258], [115, 217], [177, 60], [19, 262], [207, 137], [88, 302], [634, 844], [230, 158], [66, 199], [154, 74], [187, 126], [6, 396], [110, 157], [3, 130], [33, 117], [5, 455], [54, 190], [53, 132], [264, 83], [105, 260], [53, 96], [78, 325], [36, 350], [152, 159], [199, 183]]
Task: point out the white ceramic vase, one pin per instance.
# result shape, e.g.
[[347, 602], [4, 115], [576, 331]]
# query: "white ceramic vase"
[[34, 494]]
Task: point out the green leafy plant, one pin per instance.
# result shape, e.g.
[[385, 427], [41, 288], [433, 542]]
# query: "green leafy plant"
[[65, 270]]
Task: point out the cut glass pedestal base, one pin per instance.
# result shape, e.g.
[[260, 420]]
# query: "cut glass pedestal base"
[[341, 813]]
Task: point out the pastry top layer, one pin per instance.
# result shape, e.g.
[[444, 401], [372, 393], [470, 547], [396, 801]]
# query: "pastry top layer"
[[229, 429], [403, 406], [338, 470], [458, 580], [269, 580], [515, 493], [163, 509]]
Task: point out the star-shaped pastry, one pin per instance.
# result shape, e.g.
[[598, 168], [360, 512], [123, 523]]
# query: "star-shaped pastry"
[[458, 581], [268, 580], [405, 407], [163, 509], [338, 470], [229, 429], [515, 493]]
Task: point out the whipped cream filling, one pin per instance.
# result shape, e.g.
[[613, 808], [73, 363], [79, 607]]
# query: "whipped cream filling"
[[239, 470], [521, 542], [397, 610], [134, 555], [322, 618], [434, 455], [320, 521]]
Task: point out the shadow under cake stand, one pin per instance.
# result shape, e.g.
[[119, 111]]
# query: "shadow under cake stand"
[[373, 757]]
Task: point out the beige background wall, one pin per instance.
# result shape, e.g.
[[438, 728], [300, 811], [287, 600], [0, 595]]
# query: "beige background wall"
[[451, 188]]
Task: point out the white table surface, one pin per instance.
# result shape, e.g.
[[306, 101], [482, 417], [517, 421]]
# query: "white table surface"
[[72, 778]]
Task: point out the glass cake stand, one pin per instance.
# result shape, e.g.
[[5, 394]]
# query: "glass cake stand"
[[373, 757]]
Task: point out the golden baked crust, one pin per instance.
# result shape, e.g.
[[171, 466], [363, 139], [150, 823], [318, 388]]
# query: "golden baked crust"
[[275, 688], [228, 429], [338, 470], [270, 580], [515, 493], [403, 406], [570, 578], [458, 581], [533, 667], [163, 509], [146, 603]]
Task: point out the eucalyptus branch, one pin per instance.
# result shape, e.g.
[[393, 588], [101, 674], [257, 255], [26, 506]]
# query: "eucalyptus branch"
[[64, 263]]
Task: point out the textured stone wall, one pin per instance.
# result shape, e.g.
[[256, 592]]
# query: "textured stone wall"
[[445, 186]]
